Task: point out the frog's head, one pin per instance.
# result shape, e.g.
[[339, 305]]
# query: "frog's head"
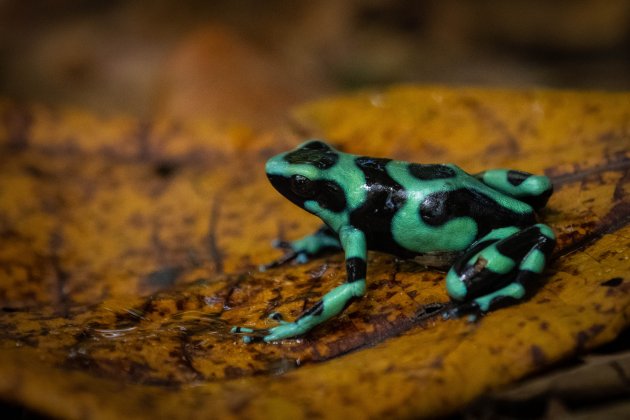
[[302, 175]]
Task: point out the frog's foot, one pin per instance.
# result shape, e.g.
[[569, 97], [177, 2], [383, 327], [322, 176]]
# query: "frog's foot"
[[276, 316], [251, 335], [301, 250], [498, 268], [471, 310], [279, 332], [286, 258], [431, 310], [534, 190], [330, 305]]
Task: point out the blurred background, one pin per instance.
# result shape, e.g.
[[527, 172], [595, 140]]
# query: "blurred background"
[[249, 60]]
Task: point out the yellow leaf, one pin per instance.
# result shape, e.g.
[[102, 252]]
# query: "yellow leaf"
[[128, 249]]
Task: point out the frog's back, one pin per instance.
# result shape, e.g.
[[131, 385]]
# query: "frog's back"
[[415, 209]]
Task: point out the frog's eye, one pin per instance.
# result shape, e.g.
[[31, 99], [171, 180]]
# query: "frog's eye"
[[302, 186]]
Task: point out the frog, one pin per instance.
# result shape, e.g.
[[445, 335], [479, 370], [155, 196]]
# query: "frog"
[[483, 225]]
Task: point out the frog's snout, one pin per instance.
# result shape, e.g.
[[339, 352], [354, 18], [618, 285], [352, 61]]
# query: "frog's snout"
[[273, 165], [279, 182]]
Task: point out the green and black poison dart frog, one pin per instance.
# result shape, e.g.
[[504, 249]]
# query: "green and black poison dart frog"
[[484, 223]]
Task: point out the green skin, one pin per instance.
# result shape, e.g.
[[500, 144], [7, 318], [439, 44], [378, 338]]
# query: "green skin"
[[508, 250]]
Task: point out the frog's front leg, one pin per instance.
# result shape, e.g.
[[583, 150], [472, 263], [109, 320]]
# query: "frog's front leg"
[[320, 242], [334, 302], [499, 267]]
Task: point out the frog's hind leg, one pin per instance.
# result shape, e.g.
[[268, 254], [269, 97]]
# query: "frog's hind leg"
[[534, 190], [499, 267]]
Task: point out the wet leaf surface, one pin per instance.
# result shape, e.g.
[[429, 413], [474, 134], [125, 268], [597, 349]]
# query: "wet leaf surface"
[[129, 248]]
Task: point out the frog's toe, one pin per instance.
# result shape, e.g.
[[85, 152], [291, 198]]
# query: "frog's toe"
[[286, 258], [432, 309], [279, 332], [284, 330], [469, 309], [450, 314], [277, 316], [301, 258], [250, 335], [280, 244]]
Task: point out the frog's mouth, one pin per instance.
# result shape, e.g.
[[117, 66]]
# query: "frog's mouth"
[[327, 194]]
